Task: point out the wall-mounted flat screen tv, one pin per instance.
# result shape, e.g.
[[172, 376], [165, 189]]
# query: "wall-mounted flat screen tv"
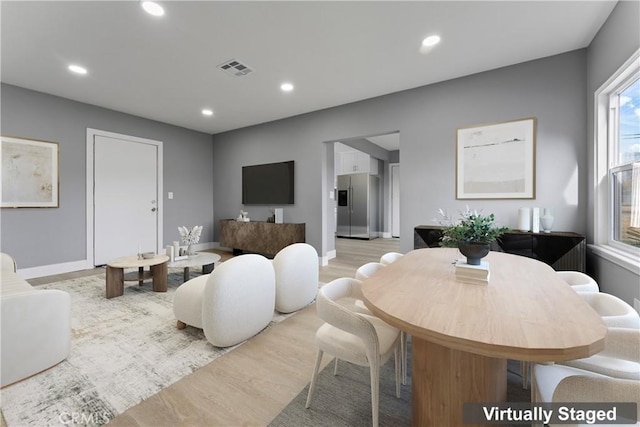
[[268, 184]]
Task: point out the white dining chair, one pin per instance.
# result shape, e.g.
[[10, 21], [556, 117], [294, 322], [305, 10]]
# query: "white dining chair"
[[367, 270], [619, 359], [615, 312], [558, 383], [362, 273], [390, 257], [579, 281], [354, 337]]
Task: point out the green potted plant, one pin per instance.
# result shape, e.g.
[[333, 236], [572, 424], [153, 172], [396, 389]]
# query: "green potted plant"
[[472, 234]]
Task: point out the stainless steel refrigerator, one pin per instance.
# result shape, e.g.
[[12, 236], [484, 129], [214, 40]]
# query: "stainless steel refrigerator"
[[358, 197]]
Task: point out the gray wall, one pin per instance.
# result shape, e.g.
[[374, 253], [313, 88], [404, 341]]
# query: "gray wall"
[[551, 89], [46, 236], [394, 156], [614, 44]]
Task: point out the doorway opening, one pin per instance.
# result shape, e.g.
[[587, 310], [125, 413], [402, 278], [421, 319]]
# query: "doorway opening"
[[371, 159]]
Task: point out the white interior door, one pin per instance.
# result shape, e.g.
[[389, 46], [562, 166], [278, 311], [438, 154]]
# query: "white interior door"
[[125, 198], [395, 200]]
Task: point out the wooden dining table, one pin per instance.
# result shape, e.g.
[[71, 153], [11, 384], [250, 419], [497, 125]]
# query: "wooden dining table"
[[463, 333]]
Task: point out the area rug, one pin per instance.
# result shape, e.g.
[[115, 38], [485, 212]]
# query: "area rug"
[[344, 400], [123, 350]]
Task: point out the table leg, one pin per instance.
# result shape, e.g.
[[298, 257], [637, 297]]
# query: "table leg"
[[208, 268], [140, 273], [115, 282], [186, 274], [159, 273], [444, 379]]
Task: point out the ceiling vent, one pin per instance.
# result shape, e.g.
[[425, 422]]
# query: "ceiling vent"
[[235, 68]]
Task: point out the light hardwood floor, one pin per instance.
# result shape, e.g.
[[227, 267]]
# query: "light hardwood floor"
[[253, 383]]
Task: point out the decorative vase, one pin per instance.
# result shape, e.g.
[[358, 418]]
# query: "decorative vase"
[[474, 251], [524, 219], [190, 250], [546, 220]]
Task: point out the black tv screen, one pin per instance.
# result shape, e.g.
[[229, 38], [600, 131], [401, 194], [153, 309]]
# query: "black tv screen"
[[268, 184]]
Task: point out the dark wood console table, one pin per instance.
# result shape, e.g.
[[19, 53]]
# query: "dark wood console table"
[[561, 250], [265, 238]]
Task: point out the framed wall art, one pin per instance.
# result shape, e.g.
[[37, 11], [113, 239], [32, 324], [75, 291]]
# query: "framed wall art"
[[29, 173], [497, 161]]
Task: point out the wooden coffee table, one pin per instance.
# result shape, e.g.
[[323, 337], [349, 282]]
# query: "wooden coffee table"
[[206, 260], [116, 277]]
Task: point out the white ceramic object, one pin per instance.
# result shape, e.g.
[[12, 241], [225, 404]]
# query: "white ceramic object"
[[535, 220], [524, 219], [546, 220]]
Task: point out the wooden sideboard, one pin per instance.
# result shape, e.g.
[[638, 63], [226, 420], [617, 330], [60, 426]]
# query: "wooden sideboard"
[[265, 238], [561, 250]]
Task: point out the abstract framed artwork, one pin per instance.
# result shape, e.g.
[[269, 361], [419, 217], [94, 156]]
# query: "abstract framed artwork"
[[29, 172], [497, 161]]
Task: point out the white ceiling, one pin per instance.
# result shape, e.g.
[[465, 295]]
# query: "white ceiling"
[[333, 52]]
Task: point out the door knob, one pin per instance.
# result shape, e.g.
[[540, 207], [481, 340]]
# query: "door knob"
[[153, 209]]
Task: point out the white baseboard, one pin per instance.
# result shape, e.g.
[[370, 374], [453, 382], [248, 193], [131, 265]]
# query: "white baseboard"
[[325, 259], [202, 246], [68, 267], [50, 270]]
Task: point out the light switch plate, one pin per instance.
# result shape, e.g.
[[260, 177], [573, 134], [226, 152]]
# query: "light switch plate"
[[170, 195]]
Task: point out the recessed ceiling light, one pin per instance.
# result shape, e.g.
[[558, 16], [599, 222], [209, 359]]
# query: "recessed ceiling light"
[[152, 8], [286, 87], [207, 112], [77, 69], [431, 41]]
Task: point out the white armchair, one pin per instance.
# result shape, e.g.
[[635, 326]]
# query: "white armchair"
[[297, 277], [7, 263], [232, 304], [579, 281], [357, 338], [35, 326]]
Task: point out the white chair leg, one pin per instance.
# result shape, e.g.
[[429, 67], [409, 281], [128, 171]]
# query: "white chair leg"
[[403, 344], [335, 366], [374, 371], [398, 362], [312, 386]]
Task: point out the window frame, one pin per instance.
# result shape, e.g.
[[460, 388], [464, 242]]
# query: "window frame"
[[606, 163]]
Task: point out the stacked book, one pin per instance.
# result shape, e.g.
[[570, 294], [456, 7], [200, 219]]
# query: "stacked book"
[[467, 273]]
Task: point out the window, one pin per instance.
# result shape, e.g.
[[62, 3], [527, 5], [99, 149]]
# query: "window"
[[617, 166], [624, 163]]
